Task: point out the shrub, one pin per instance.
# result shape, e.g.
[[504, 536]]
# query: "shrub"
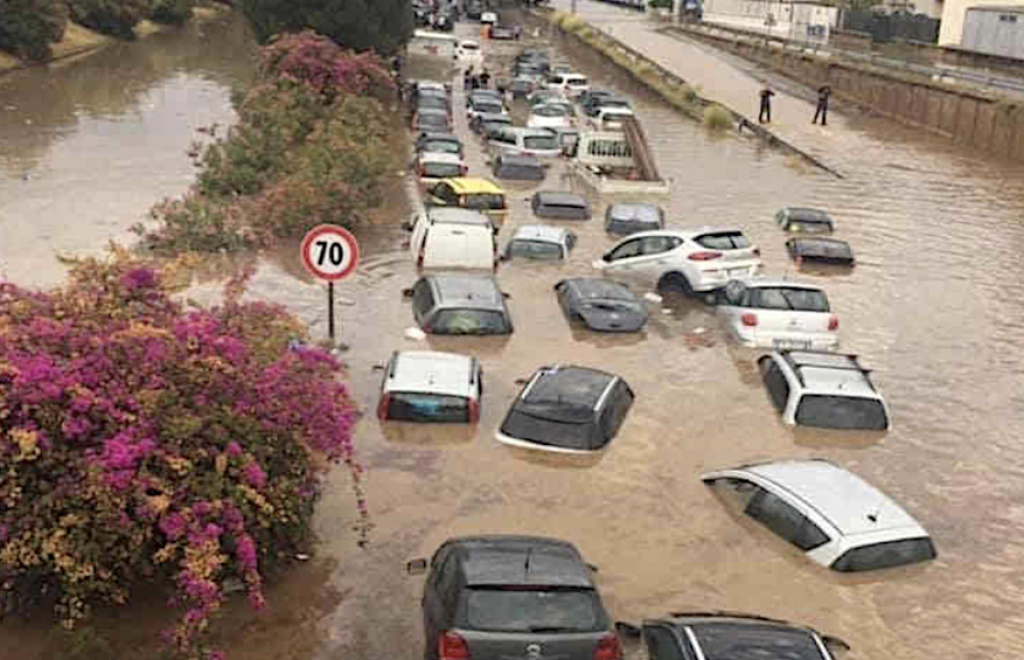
[[173, 12], [114, 17], [717, 118], [28, 27], [141, 442]]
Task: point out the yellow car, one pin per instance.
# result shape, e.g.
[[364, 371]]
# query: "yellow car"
[[468, 193]]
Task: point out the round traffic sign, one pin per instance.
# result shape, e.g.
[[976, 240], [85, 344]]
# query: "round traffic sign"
[[330, 252]]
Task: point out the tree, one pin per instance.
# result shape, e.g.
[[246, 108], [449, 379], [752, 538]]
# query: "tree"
[[28, 27], [382, 25]]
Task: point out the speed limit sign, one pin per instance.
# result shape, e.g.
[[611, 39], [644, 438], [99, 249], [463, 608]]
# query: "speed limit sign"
[[330, 252]]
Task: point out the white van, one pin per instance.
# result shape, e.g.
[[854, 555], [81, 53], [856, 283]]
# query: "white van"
[[610, 119], [539, 142], [453, 238], [569, 84]]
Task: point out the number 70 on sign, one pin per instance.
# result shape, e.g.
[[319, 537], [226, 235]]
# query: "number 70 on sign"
[[330, 252]]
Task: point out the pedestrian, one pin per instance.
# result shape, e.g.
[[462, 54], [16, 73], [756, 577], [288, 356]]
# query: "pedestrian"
[[766, 105], [467, 78], [823, 93], [474, 81], [485, 78], [518, 32]]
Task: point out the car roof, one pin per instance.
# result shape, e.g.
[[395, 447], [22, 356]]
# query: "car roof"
[[466, 42], [579, 386], [634, 209], [439, 157], [457, 216], [849, 503], [764, 282], [479, 292], [431, 371], [805, 213], [428, 136], [531, 132], [559, 198], [613, 110], [837, 374], [541, 233], [684, 233], [471, 185], [598, 288], [431, 111], [521, 560]]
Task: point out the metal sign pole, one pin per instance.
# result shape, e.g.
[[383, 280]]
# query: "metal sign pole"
[[330, 310]]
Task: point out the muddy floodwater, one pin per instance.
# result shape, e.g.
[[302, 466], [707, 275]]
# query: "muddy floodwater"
[[935, 306]]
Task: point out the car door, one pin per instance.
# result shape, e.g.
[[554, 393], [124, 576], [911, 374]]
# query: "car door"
[[623, 262], [655, 258], [665, 642], [731, 301], [435, 616]]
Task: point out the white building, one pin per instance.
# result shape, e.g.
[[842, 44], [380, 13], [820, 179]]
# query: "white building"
[[954, 15], [788, 19]]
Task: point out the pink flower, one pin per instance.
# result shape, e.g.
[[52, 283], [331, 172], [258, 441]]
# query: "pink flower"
[[173, 526], [140, 278], [254, 475], [245, 550], [234, 449]]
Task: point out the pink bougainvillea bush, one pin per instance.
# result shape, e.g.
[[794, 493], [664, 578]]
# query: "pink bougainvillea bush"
[[143, 442]]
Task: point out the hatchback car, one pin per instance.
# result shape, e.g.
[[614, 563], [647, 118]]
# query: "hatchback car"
[[469, 53], [432, 167], [595, 104], [560, 205], [443, 143], [523, 597], [775, 313], [734, 636], [566, 409], [570, 84], [522, 86], [480, 122], [460, 305], [688, 260], [474, 194], [520, 168], [430, 120], [453, 239], [820, 250], [828, 390], [807, 221], [428, 386], [534, 141], [834, 516], [626, 219], [549, 115], [601, 305], [484, 105], [540, 242]]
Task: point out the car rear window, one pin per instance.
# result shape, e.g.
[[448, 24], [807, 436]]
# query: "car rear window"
[[420, 407], [785, 298], [726, 240], [809, 226], [752, 642], [568, 427], [886, 555], [541, 142], [441, 146], [440, 170], [487, 107], [841, 412], [533, 610], [535, 250], [485, 202], [434, 120], [469, 322]]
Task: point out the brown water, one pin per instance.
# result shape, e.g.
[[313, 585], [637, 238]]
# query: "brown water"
[[935, 307]]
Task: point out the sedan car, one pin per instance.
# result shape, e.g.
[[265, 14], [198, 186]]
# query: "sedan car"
[[775, 313], [428, 386], [540, 242], [807, 221], [820, 250], [520, 168], [601, 305], [429, 120], [513, 597], [626, 219], [567, 409], [835, 517]]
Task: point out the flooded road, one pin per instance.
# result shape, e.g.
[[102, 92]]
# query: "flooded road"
[[936, 306]]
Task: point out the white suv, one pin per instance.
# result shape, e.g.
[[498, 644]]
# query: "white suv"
[[828, 390], [776, 313], [428, 386], [690, 260]]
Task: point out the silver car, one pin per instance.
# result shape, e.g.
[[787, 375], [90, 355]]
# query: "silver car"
[[521, 597], [774, 313]]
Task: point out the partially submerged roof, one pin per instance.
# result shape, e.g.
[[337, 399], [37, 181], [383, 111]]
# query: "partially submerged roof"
[[472, 185], [479, 291], [808, 214], [574, 386], [765, 282], [640, 211], [600, 289], [540, 233], [554, 198], [522, 560], [457, 216], [440, 157], [431, 371], [851, 504], [831, 373]]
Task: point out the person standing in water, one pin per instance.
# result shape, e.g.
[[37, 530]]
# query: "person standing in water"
[[766, 105], [822, 111]]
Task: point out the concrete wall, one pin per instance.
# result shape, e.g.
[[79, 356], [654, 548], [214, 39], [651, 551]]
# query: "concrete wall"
[[954, 13], [969, 118]]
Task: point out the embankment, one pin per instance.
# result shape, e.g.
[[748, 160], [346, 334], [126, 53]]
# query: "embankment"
[[970, 118]]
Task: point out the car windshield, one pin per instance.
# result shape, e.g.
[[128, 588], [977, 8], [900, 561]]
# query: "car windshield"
[[524, 172], [886, 555], [420, 407], [730, 641], [532, 610], [841, 412], [724, 240], [441, 147], [798, 300], [440, 170], [487, 107], [543, 142], [535, 249], [485, 202], [431, 119], [469, 322]]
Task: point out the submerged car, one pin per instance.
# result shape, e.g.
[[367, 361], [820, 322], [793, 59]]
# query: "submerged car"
[[601, 305], [429, 386], [442, 143], [806, 221], [819, 250], [520, 168], [430, 120], [775, 313], [625, 219], [432, 167], [540, 242], [734, 636], [827, 390], [567, 409], [560, 205], [447, 304], [522, 597], [835, 517]]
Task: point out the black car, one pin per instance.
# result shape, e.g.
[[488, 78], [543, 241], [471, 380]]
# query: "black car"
[[734, 636], [602, 305], [567, 409], [820, 251], [560, 205], [625, 219], [518, 168], [522, 597]]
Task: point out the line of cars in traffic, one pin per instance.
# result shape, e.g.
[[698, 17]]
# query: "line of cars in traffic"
[[535, 598]]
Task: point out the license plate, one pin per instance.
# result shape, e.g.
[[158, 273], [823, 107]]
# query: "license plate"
[[779, 344]]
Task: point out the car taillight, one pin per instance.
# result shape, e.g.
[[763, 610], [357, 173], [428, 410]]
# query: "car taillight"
[[756, 251], [474, 411], [833, 322], [704, 256], [383, 405], [608, 648], [749, 320], [451, 646]]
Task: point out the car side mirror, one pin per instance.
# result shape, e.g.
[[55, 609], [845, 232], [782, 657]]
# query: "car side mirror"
[[834, 644], [416, 567], [592, 567], [378, 367], [606, 257], [407, 293], [407, 225], [628, 630]]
